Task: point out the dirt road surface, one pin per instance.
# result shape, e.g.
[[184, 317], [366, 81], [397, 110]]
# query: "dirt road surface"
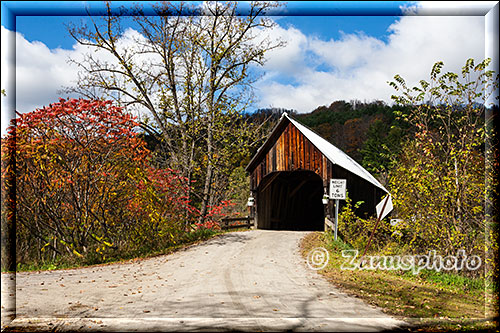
[[249, 281]]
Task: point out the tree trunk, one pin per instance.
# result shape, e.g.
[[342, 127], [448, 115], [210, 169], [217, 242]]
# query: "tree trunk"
[[209, 175]]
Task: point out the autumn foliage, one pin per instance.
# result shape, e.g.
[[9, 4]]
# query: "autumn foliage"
[[84, 185], [442, 183]]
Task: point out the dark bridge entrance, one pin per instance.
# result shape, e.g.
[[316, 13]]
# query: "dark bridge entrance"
[[290, 172], [290, 200]]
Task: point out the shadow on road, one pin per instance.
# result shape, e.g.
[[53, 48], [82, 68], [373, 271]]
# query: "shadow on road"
[[234, 237]]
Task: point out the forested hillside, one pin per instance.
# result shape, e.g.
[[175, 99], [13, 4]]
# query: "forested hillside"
[[368, 132]]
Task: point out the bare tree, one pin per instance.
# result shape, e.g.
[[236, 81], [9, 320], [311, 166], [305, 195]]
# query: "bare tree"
[[192, 74]]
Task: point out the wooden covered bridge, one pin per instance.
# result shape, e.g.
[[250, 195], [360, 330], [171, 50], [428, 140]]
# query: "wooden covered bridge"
[[291, 172]]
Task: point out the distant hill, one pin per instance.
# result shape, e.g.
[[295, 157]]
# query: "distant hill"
[[346, 124], [365, 131]]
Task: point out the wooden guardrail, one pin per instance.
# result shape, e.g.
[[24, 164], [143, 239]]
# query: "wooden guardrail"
[[236, 222], [329, 224]]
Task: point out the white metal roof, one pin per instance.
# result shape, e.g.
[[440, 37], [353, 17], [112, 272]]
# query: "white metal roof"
[[335, 155]]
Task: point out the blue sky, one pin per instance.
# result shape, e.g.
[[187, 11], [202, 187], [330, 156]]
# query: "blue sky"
[[335, 50], [325, 27], [310, 18]]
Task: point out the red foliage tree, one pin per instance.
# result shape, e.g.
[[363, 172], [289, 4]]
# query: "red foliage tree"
[[84, 184]]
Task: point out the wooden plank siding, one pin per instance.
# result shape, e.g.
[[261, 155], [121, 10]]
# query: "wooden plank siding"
[[288, 150], [291, 151]]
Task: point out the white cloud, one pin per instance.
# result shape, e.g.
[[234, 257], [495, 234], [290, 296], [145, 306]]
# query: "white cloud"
[[449, 8], [7, 73], [358, 66], [348, 52], [286, 61], [39, 73]]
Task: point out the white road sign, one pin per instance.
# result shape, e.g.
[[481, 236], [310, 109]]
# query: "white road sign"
[[337, 188]]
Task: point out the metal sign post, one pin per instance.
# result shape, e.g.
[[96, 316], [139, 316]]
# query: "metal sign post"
[[336, 217], [337, 192]]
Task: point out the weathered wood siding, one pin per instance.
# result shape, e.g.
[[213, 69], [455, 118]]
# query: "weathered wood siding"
[[290, 150]]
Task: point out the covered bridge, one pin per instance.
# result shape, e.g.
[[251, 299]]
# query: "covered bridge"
[[290, 173]]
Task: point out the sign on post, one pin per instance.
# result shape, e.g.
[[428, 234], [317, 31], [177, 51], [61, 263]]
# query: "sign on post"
[[337, 188], [337, 192]]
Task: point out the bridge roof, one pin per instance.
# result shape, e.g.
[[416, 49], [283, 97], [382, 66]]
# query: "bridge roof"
[[332, 153]]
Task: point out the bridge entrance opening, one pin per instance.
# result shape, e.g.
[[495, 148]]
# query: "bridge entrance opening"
[[291, 200]]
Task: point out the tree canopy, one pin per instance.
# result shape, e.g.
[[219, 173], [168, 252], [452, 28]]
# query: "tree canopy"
[[189, 76], [440, 179]]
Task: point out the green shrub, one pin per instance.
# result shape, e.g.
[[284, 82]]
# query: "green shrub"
[[356, 231]]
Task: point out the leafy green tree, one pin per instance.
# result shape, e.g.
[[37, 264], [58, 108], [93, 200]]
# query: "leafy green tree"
[[438, 182], [381, 148], [347, 126]]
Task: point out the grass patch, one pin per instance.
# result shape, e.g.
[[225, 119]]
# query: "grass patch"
[[186, 240], [431, 300]]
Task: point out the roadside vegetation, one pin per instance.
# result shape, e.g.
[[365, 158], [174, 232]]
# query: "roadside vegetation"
[[189, 239], [429, 301], [443, 182], [86, 192]]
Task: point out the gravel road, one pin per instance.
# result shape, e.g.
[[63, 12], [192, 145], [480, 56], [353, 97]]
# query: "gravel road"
[[252, 280]]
